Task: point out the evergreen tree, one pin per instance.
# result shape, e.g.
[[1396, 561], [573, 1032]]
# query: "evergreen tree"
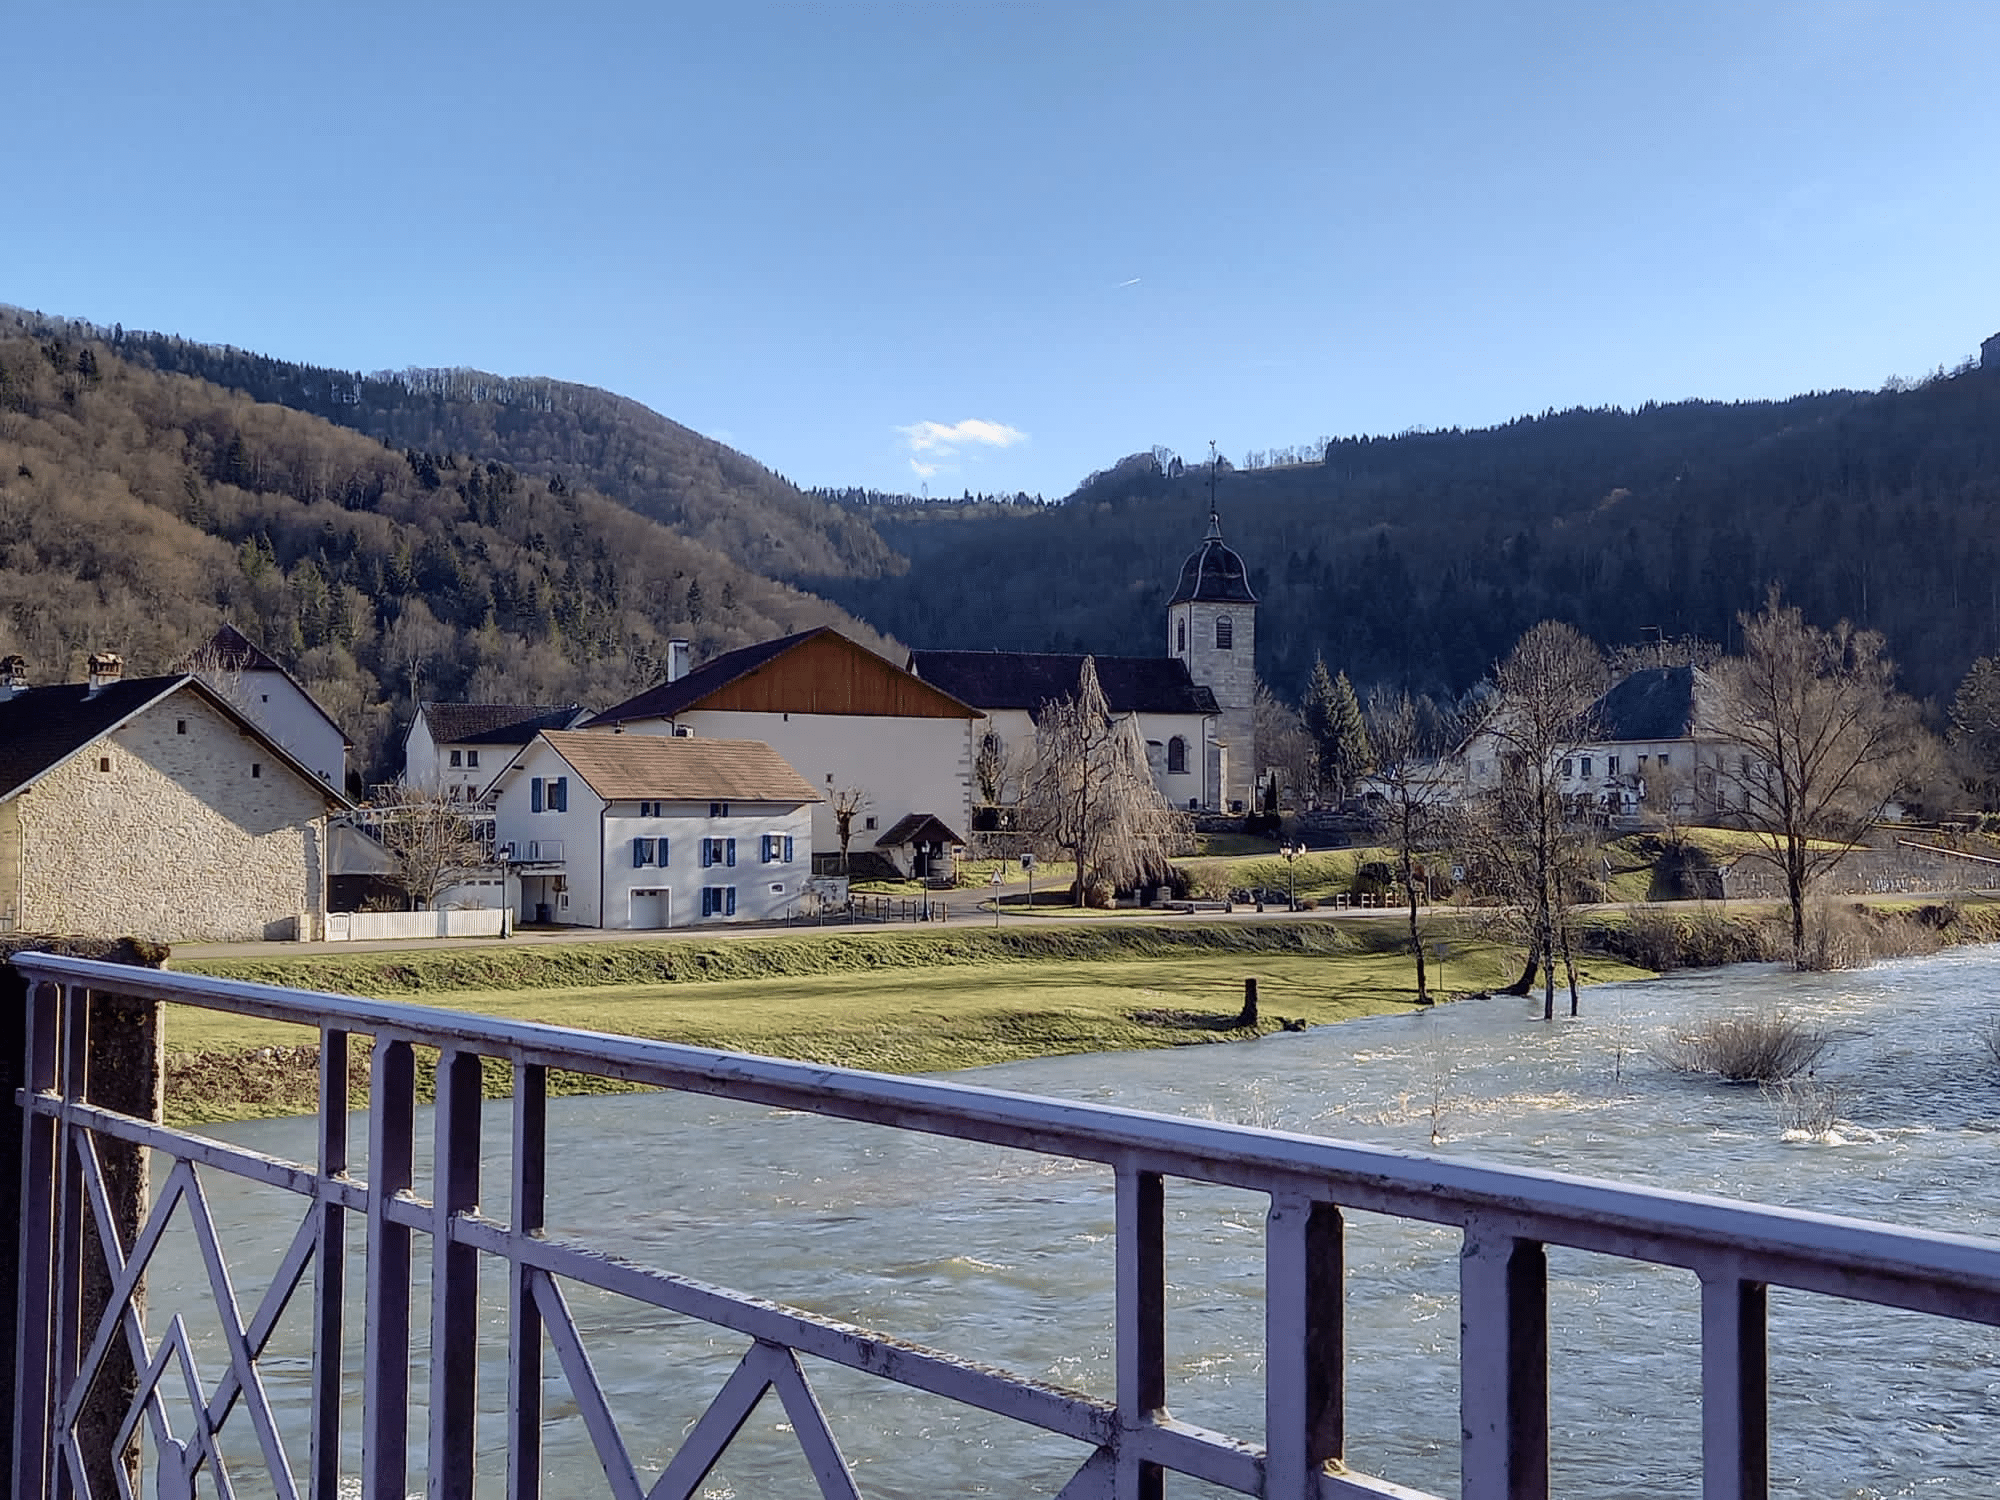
[[1340, 737]]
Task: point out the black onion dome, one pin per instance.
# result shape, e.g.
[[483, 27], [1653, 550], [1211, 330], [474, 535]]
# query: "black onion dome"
[[1213, 574]]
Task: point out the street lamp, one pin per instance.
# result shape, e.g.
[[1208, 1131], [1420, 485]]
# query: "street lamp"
[[1291, 853]]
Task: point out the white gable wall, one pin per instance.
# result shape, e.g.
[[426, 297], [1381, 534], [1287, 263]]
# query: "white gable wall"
[[282, 709]]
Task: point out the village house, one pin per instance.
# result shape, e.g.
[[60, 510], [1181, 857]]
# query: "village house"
[[244, 673], [153, 807], [461, 747], [848, 719], [653, 831]]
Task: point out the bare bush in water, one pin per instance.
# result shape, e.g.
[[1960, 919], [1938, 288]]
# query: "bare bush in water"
[[1764, 1048], [1806, 1107]]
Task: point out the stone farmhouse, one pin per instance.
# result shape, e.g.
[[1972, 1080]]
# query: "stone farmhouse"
[[252, 681], [462, 747], [843, 716], [650, 831], [153, 807]]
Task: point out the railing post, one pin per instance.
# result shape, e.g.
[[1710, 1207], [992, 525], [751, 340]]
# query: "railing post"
[[1503, 1367], [385, 1402], [454, 1355], [1735, 1413], [524, 1332], [329, 1269], [1304, 1358], [1142, 1325], [35, 1307], [74, 1066]]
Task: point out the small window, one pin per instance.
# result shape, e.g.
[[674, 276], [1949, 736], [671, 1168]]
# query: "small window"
[[1586, 768], [472, 758], [457, 758], [180, 726], [1180, 637], [1225, 633], [1665, 760], [264, 697], [718, 809], [1177, 756], [1610, 765], [103, 762], [642, 852], [1642, 762], [256, 770], [869, 824], [1568, 770]]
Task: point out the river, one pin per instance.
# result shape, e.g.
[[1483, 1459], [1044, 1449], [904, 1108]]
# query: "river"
[[1005, 1257]]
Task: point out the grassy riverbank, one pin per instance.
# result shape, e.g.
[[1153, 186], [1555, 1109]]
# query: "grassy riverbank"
[[902, 1001]]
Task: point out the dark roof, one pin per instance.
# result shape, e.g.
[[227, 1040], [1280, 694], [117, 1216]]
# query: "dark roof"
[[496, 723], [670, 698], [44, 726], [1213, 574], [918, 828], [1654, 703], [1028, 679]]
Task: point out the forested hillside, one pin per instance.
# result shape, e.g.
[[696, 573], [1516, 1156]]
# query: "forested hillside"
[[545, 429], [1419, 559], [138, 509]]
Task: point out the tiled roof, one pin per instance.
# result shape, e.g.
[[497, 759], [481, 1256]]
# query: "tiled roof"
[[624, 767], [496, 723], [1028, 679], [918, 828], [1655, 703], [230, 648], [670, 698], [44, 726]]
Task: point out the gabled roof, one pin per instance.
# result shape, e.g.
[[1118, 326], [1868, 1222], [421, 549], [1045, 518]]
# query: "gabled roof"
[[1654, 703], [835, 691], [625, 767], [1028, 679], [918, 828], [45, 726], [230, 650], [496, 723]]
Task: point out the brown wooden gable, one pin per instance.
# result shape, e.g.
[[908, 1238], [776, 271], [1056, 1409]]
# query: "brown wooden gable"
[[828, 674]]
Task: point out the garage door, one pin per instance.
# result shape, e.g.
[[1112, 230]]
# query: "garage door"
[[649, 909]]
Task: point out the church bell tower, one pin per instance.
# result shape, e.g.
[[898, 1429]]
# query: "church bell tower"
[[1212, 626]]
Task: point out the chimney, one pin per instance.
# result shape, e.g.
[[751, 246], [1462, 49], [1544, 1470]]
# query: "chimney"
[[13, 676], [677, 660], [106, 667]]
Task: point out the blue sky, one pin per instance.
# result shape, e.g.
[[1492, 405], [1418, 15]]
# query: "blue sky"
[[997, 246]]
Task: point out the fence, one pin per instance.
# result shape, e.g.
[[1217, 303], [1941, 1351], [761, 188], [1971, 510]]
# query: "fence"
[[366, 926], [1507, 1217]]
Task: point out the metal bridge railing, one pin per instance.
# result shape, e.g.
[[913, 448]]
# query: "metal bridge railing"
[[1507, 1217]]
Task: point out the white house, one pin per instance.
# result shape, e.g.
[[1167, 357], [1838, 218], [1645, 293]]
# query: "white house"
[[252, 681], [652, 831], [845, 717], [461, 747], [153, 807], [1177, 717]]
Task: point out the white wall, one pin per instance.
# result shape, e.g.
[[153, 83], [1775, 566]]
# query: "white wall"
[[905, 765], [1017, 734], [427, 764], [578, 829], [284, 712], [371, 926]]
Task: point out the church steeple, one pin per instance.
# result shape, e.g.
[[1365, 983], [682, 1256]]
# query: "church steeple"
[[1212, 627]]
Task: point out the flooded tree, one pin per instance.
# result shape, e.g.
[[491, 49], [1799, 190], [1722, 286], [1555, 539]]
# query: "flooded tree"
[[1418, 782]]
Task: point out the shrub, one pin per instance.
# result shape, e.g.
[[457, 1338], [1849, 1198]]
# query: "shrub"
[[1668, 940], [1207, 880], [1836, 938], [1806, 1107], [1764, 1048]]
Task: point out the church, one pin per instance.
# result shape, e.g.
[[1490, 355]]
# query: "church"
[[1196, 704]]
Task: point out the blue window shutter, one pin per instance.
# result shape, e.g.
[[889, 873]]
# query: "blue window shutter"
[[705, 894], [707, 853], [639, 853], [663, 853], [729, 901], [535, 795], [788, 848], [559, 794], [729, 853]]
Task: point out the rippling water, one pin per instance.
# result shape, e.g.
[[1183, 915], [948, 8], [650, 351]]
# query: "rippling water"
[[1006, 1257]]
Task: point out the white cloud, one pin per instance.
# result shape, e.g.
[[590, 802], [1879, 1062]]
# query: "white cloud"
[[923, 470], [937, 437]]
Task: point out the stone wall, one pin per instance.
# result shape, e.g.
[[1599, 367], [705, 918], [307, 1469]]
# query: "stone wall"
[[176, 826], [1232, 676]]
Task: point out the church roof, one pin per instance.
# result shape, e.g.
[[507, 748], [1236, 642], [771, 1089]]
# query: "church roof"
[[1213, 574], [1028, 679]]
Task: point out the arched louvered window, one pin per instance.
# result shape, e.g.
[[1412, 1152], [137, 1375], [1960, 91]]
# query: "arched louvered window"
[[1225, 633], [1180, 636]]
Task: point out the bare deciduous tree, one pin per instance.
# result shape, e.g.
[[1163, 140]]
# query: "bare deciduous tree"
[[848, 801], [1418, 781], [1090, 794], [430, 840], [1541, 713], [1826, 735], [989, 766]]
